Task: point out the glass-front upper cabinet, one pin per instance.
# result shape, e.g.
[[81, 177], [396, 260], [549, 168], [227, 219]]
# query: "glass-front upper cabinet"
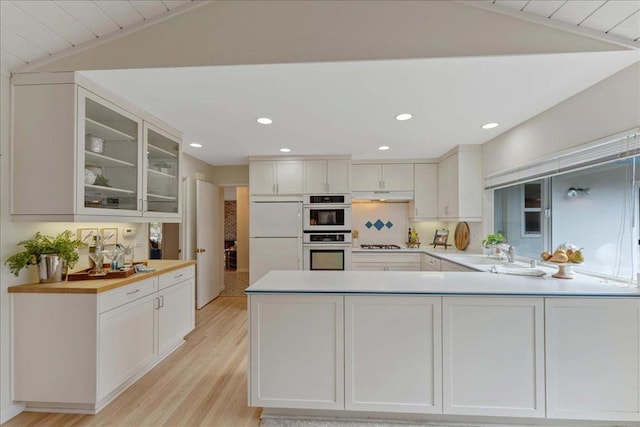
[[162, 172], [111, 152]]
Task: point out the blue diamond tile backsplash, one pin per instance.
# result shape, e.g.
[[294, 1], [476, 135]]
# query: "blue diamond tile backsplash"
[[381, 222]]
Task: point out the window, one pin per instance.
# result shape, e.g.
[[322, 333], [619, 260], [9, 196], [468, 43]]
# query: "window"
[[532, 209], [594, 208]]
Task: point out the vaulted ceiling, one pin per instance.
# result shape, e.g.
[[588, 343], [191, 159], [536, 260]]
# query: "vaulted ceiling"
[[331, 74]]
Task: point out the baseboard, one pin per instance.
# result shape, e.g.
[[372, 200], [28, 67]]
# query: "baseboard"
[[11, 411], [242, 270]]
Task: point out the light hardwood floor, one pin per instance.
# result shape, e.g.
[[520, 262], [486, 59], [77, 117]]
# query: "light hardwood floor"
[[203, 383]]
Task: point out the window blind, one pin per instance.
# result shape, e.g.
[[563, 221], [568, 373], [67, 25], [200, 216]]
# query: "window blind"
[[609, 149]]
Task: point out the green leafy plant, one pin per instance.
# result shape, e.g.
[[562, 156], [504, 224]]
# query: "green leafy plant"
[[102, 181], [493, 239], [64, 244]]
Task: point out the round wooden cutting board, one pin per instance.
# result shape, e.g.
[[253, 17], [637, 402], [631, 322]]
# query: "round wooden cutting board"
[[461, 236]]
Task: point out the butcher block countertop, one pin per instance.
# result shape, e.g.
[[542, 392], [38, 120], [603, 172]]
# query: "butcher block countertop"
[[100, 285]]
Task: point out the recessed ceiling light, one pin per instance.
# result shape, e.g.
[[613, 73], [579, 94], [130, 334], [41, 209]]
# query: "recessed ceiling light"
[[285, 150], [195, 145], [403, 116], [383, 148], [264, 121], [490, 126]]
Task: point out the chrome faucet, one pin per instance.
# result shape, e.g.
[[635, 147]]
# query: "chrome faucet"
[[511, 253], [508, 250]]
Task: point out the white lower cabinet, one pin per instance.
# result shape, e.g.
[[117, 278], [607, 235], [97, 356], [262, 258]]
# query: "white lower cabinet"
[[127, 343], [493, 356], [592, 353], [385, 261], [452, 266], [296, 351], [176, 313], [393, 354], [96, 345]]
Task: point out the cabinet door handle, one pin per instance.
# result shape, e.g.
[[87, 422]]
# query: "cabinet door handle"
[[156, 303], [161, 301], [273, 189], [134, 292], [278, 188], [416, 214]]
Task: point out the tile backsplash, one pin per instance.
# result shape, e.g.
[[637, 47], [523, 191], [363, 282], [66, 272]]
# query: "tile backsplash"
[[388, 223], [381, 222]]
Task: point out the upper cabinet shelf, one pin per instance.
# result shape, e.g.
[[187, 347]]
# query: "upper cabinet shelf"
[[160, 151], [105, 132], [113, 161]]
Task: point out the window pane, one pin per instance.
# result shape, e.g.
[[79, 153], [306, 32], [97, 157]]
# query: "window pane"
[[533, 195], [594, 210], [532, 222], [510, 221]]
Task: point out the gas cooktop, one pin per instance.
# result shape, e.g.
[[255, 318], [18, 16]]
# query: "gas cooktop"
[[380, 246]]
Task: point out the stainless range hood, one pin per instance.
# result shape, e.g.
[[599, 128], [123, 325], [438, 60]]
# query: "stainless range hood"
[[382, 196]]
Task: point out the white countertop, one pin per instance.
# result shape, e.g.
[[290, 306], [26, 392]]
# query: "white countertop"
[[435, 283]]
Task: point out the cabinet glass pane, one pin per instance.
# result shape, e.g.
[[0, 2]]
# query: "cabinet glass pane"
[[111, 159], [162, 173]]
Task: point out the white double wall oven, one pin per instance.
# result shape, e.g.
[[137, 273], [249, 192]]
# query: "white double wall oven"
[[327, 232]]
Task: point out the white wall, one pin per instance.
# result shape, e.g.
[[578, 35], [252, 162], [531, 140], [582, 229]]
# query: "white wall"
[[607, 108], [268, 32]]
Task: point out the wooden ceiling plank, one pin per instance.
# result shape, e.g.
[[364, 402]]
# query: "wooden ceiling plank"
[[172, 4], [120, 11], [57, 20], [544, 8], [149, 9], [89, 15], [629, 28], [30, 29], [24, 49], [611, 14], [9, 61], [575, 11]]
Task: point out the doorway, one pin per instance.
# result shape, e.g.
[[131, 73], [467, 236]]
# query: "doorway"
[[236, 240], [164, 240]]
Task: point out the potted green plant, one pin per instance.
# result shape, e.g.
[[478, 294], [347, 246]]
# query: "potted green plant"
[[52, 255], [493, 240]]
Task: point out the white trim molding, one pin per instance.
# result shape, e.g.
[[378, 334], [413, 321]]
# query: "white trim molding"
[[10, 412]]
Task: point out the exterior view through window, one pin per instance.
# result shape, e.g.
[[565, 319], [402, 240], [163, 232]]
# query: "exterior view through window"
[[595, 208]]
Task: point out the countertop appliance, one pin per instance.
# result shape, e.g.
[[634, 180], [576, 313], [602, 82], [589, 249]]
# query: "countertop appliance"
[[275, 237], [327, 213], [327, 251]]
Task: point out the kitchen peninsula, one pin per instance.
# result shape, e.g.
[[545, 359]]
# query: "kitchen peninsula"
[[445, 346], [79, 344]]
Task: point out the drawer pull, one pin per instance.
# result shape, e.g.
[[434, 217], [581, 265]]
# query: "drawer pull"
[[178, 276], [134, 292]]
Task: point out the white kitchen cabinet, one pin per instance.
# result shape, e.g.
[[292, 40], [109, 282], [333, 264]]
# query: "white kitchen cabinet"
[[385, 261], [275, 177], [493, 356], [425, 196], [452, 266], [296, 351], [430, 263], [460, 185], [176, 313], [393, 354], [95, 141], [382, 177], [161, 184], [327, 176], [127, 343], [99, 344], [592, 353]]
